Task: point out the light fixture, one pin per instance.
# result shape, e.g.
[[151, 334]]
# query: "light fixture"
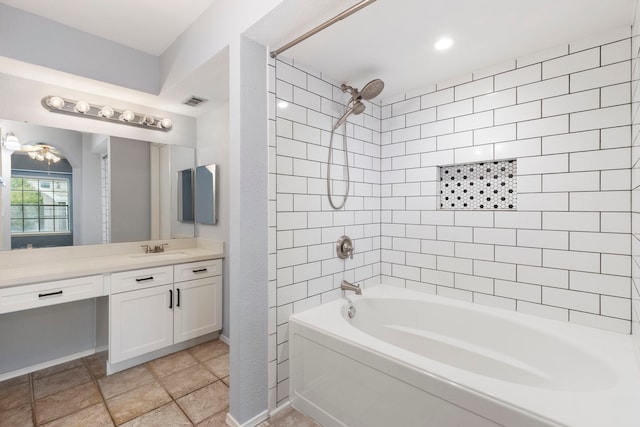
[[82, 107], [11, 142], [106, 112], [147, 120], [57, 104], [443, 43], [43, 153], [127, 116], [165, 124]]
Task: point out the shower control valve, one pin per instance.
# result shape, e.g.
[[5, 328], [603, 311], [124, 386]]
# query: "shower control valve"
[[344, 247]]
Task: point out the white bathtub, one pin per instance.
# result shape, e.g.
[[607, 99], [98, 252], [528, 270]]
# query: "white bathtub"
[[413, 359]]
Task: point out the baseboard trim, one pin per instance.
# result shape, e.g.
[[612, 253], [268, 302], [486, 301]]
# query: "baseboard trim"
[[47, 364], [262, 416], [280, 408], [112, 368], [225, 339]]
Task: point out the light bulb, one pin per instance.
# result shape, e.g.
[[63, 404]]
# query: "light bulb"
[[55, 102], [82, 107], [443, 44], [127, 116], [165, 123], [106, 112], [39, 157], [11, 142], [32, 154], [147, 120]]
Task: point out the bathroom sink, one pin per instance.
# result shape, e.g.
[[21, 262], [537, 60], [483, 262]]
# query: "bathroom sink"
[[158, 254]]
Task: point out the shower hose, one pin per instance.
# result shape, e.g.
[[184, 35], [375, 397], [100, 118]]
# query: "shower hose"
[[346, 162]]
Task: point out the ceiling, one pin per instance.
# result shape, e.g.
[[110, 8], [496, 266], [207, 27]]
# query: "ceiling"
[[393, 39], [389, 39]]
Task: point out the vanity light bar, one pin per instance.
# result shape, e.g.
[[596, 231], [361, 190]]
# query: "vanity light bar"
[[57, 104]]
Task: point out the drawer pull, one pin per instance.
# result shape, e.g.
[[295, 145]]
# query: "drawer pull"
[[144, 279], [170, 298], [200, 270], [178, 302], [50, 294]]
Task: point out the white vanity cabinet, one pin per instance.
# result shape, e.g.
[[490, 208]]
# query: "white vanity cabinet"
[[154, 308], [198, 299], [37, 295]]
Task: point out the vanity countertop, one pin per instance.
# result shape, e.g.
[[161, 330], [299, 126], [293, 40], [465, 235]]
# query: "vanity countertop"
[[41, 269]]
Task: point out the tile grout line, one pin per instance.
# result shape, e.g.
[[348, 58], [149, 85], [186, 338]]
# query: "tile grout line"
[[104, 400]]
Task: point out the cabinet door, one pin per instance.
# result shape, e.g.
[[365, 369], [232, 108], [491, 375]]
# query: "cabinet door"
[[141, 321], [198, 308]]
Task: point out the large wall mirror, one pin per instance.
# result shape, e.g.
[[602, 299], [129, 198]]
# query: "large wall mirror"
[[72, 188]]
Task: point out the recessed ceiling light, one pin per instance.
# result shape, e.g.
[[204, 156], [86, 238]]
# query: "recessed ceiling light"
[[443, 44]]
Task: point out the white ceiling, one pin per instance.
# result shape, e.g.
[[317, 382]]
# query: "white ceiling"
[[390, 39], [393, 39]]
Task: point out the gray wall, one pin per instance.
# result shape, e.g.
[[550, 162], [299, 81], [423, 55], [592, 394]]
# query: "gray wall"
[[248, 249], [40, 335], [130, 190], [213, 147], [36, 40]]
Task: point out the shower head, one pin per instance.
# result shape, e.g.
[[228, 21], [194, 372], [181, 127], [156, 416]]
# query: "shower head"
[[356, 109], [372, 89], [369, 91]]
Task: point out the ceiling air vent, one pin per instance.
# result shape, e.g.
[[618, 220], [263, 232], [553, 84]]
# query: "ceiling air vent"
[[194, 101]]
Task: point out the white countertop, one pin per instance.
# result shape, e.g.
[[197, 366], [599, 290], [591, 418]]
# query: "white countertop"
[[44, 265]]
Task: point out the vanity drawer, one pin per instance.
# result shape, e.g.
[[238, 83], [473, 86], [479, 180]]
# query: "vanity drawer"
[[139, 279], [49, 293], [197, 270]]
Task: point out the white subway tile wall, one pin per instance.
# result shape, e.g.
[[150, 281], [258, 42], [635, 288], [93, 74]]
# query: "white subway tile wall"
[[635, 184], [564, 114], [566, 252], [304, 228]]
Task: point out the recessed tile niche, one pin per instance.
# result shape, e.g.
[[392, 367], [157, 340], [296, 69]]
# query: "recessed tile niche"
[[482, 186]]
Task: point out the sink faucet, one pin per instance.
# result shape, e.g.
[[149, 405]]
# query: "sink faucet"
[[346, 286], [159, 247], [152, 249]]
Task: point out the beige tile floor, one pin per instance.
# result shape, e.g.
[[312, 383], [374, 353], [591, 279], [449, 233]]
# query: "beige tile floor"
[[187, 388]]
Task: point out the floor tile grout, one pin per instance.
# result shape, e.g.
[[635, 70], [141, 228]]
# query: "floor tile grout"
[[94, 365], [88, 363]]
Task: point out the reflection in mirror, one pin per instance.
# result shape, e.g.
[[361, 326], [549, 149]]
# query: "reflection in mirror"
[[41, 186], [185, 195], [113, 192], [205, 194]]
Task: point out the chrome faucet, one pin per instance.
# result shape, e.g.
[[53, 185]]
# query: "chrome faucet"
[[159, 247], [152, 249], [346, 286]]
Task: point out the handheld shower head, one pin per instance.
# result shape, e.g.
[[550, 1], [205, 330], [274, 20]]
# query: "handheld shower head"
[[369, 91], [372, 89], [356, 109]]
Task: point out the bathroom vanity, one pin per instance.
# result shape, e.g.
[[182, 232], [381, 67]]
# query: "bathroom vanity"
[[147, 304]]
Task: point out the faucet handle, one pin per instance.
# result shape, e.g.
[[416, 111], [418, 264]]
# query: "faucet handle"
[[147, 248]]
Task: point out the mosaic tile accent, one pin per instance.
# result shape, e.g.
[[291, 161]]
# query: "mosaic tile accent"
[[486, 185]]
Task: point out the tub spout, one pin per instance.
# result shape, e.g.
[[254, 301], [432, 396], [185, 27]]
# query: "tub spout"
[[346, 286]]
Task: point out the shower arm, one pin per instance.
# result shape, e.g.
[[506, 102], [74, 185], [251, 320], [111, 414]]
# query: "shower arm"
[[353, 9]]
